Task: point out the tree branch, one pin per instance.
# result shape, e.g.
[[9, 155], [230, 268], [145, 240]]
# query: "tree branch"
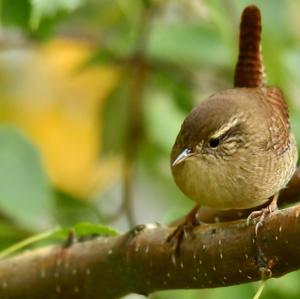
[[215, 255]]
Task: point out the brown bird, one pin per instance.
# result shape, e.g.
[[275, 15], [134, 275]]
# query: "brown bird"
[[236, 149]]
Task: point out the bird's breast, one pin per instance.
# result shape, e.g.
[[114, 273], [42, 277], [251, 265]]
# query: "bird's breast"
[[240, 183]]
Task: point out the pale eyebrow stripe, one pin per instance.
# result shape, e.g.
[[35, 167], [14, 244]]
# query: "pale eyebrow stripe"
[[225, 128]]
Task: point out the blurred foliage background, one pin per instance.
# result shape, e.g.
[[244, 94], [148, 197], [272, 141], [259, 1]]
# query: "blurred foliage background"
[[92, 95]]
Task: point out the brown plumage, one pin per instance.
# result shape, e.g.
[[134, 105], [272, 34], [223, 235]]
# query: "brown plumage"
[[249, 71], [279, 120], [255, 155], [236, 149]]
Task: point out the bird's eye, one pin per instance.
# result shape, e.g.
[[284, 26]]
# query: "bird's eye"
[[214, 142]]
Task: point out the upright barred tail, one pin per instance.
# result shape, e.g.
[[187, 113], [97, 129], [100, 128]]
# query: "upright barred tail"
[[249, 71]]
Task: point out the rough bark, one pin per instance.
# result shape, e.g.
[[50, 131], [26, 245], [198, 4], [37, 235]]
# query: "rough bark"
[[214, 255]]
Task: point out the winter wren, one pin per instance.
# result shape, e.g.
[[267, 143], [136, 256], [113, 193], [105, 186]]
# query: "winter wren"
[[236, 149]]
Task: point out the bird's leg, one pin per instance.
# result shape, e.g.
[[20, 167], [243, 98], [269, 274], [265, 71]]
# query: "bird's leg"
[[184, 228], [263, 213]]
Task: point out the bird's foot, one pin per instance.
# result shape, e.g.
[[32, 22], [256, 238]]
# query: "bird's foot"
[[184, 229], [263, 213]]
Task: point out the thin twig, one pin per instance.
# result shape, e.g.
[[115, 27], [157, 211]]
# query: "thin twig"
[[137, 69]]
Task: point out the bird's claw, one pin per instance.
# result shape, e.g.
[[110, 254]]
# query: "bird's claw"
[[181, 232], [184, 229], [261, 214]]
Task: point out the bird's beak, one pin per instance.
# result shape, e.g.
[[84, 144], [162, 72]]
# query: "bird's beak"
[[181, 157]]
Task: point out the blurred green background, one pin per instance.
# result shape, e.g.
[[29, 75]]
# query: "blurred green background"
[[92, 95]]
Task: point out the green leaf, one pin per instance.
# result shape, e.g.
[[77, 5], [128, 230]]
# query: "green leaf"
[[162, 113], [69, 210], [102, 56], [26, 242], [177, 82], [80, 230], [131, 10], [147, 3], [83, 229], [46, 8], [10, 234], [237, 291], [260, 289], [25, 193], [285, 287], [87, 229], [187, 44], [9, 230], [180, 294], [15, 13]]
